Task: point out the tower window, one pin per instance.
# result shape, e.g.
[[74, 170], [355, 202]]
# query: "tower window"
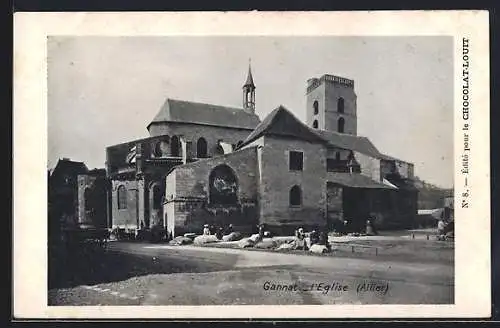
[[296, 161], [340, 105], [316, 107], [295, 196], [315, 124], [341, 125]]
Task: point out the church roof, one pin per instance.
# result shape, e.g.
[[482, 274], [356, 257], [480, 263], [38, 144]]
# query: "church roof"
[[355, 180], [281, 122], [205, 114], [351, 142]]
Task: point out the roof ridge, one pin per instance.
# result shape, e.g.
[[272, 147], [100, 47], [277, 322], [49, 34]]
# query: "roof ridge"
[[210, 104]]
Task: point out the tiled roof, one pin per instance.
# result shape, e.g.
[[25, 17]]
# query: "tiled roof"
[[401, 182], [66, 165], [206, 114], [282, 122], [355, 180], [350, 142]]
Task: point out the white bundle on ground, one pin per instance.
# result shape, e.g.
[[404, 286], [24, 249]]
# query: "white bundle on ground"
[[245, 242], [266, 243], [255, 238], [285, 246], [204, 239], [320, 249], [233, 236], [181, 240], [191, 235]]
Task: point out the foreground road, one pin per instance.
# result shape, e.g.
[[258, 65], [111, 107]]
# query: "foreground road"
[[148, 274]]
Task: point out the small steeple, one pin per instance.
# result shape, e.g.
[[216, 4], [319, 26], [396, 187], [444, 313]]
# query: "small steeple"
[[249, 82], [249, 91]]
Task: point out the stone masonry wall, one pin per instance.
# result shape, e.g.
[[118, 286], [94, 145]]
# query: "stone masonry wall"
[[187, 194], [276, 180], [192, 132], [369, 166], [95, 197], [125, 218]]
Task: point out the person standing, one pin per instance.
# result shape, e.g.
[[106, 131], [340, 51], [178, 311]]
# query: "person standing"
[[206, 230], [323, 239], [314, 237], [220, 233], [261, 231], [369, 228]]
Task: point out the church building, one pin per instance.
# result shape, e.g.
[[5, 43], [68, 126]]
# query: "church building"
[[210, 164]]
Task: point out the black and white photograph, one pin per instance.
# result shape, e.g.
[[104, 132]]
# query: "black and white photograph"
[[254, 170]]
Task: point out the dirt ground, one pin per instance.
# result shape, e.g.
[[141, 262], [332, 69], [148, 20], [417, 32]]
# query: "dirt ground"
[[415, 271]]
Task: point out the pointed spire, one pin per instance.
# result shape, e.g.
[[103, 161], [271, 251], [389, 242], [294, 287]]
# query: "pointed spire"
[[249, 82]]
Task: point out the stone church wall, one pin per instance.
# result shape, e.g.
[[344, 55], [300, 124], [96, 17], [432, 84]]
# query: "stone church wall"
[[92, 200], [126, 217], [188, 205], [192, 132], [276, 181]]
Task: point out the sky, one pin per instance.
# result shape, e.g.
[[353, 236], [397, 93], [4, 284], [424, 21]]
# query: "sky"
[[105, 90]]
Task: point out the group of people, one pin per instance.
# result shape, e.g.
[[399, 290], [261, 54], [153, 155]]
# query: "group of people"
[[219, 232], [319, 238], [345, 227], [315, 237]]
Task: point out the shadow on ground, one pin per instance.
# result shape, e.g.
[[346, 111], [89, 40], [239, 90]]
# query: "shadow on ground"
[[96, 266]]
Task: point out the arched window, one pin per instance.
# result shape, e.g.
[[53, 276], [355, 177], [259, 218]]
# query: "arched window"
[[201, 148], [87, 199], [295, 196], [316, 107], [157, 197], [315, 124], [223, 186], [122, 197], [341, 124], [340, 105], [175, 147]]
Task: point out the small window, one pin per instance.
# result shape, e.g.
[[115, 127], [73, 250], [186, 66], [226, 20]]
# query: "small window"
[[315, 124], [340, 105], [337, 156], [296, 161], [122, 197], [295, 196], [316, 107], [341, 125]]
